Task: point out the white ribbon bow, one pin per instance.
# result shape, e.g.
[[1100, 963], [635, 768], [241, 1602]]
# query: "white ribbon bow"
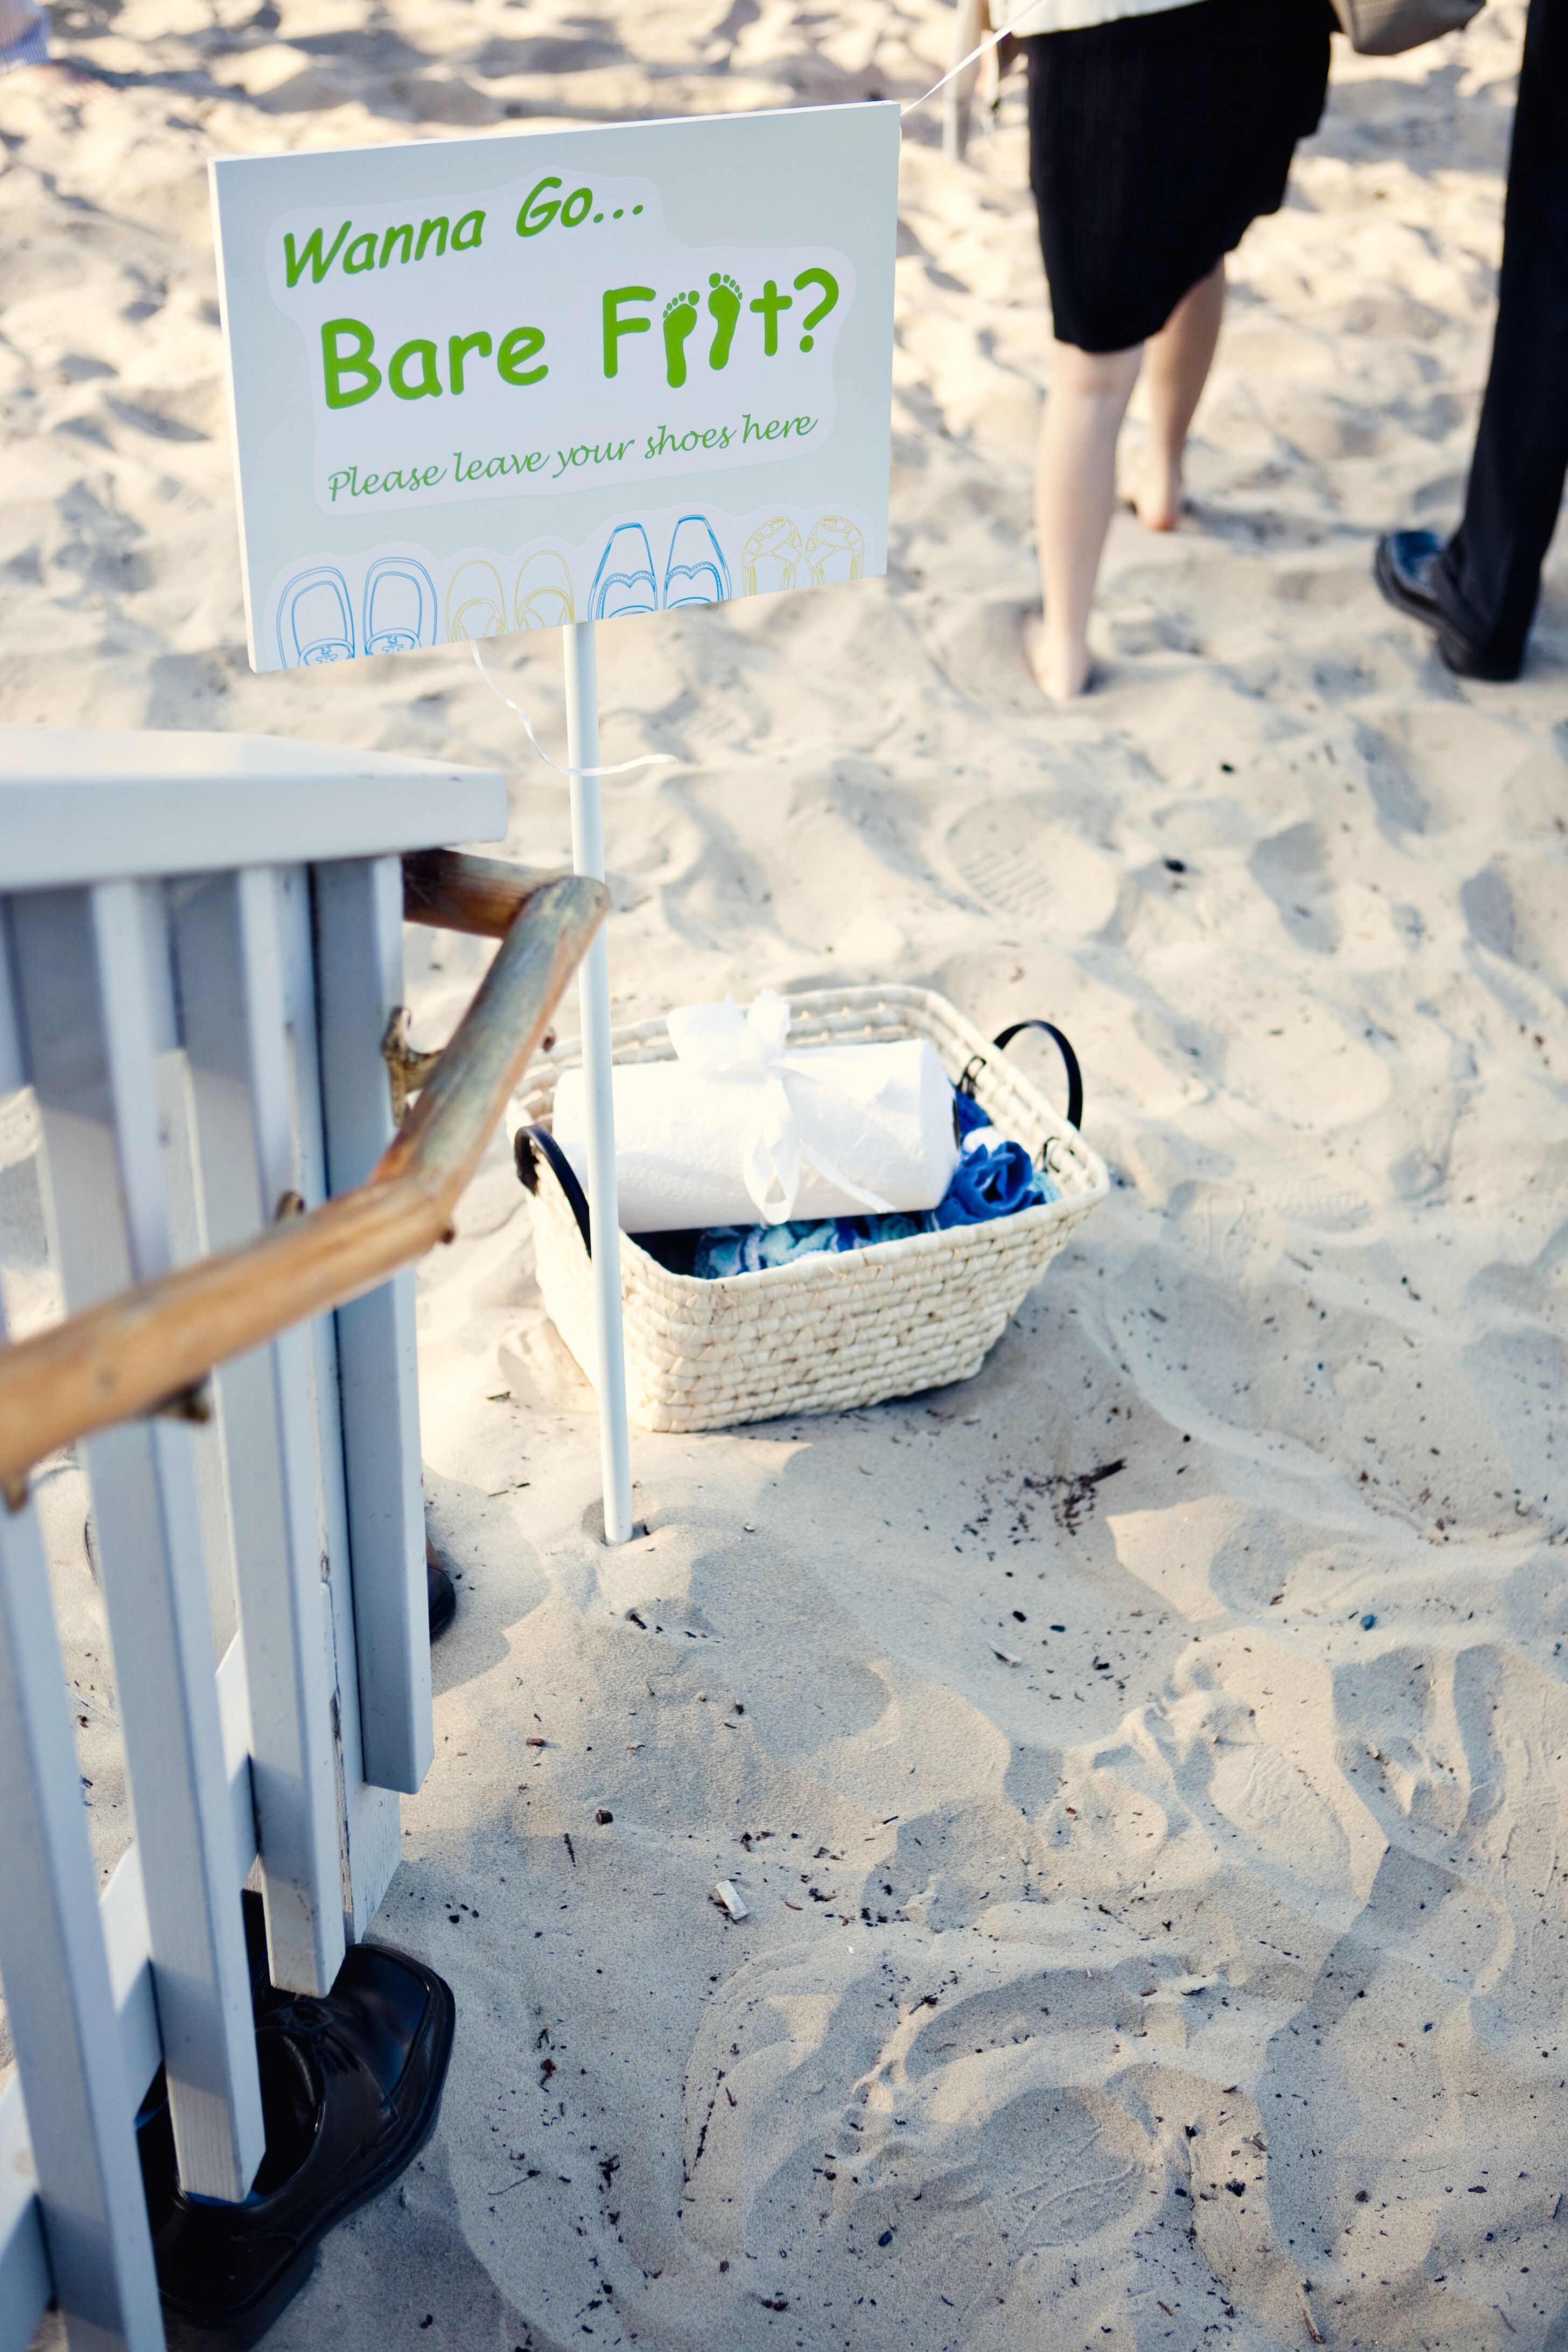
[[748, 1049]]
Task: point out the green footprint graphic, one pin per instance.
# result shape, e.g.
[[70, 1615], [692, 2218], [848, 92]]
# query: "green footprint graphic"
[[679, 317], [724, 304]]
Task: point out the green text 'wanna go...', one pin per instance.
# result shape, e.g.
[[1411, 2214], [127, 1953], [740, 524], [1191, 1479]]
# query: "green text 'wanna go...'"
[[419, 369]]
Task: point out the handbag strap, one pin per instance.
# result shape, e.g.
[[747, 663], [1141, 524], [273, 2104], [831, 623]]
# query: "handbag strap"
[[1074, 1075], [531, 1144]]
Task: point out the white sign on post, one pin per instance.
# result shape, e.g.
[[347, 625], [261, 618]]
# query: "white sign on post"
[[552, 378], [493, 384]]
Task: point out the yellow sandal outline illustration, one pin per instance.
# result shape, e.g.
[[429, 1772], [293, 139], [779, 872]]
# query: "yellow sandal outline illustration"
[[476, 602], [771, 558], [544, 597], [833, 541]]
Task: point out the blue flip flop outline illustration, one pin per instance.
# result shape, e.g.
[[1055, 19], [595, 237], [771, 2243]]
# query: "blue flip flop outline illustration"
[[625, 567], [398, 623], [696, 559], [315, 619]]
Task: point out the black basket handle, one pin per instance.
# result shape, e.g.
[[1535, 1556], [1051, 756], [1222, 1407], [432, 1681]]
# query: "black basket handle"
[[1074, 1075], [531, 1144]]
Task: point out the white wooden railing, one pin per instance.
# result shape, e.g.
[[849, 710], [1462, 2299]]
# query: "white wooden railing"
[[200, 955]]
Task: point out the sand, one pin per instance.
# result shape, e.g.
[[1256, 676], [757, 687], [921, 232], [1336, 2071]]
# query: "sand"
[[1225, 2006]]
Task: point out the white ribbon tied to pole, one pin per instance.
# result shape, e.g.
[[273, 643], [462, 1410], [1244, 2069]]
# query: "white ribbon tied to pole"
[[621, 767], [750, 1048]]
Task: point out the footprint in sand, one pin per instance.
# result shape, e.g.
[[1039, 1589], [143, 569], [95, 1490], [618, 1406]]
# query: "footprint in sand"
[[724, 304], [1023, 863], [679, 317]]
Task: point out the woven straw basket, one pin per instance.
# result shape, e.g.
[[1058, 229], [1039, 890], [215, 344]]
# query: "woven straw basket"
[[827, 1332]]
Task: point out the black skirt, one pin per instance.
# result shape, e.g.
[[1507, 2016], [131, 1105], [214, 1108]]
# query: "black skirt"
[[1154, 142]]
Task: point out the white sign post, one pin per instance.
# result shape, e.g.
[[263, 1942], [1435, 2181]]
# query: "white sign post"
[[536, 381], [594, 995]]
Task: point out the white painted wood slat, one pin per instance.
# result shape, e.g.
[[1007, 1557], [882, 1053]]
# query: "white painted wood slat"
[[97, 1011], [370, 1819], [24, 2285], [88, 2232], [230, 965], [122, 1924], [78, 804], [54, 1974], [359, 982]]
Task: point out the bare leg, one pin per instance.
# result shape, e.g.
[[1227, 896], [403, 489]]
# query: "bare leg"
[[970, 24], [1177, 363], [1075, 492]]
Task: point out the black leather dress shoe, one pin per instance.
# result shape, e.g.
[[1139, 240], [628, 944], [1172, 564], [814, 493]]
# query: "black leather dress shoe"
[[1403, 568], [1406, 569], [440, 1591], [350, 2087]]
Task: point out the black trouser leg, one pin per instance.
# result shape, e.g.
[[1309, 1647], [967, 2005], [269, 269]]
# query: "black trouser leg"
[[1490, 577]]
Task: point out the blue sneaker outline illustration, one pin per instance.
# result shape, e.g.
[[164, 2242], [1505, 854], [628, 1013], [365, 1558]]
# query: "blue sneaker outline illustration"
[[398, 629], [544, 597], [625, 564], [474, 595], [695, 557], [315, 613]]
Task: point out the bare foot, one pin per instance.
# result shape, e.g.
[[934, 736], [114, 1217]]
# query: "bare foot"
[[1156, 494], [1061, 673], [51, 73]]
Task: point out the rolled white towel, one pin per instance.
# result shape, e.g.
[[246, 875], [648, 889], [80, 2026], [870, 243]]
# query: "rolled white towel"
[[829, 1131]]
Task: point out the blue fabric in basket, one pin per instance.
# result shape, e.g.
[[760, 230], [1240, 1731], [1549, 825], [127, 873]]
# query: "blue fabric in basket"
[[967, 1114], [991, 1180], [747, 1249], [994, 1178]]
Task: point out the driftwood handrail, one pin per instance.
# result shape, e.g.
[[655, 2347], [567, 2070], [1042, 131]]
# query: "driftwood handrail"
[[135, 1353]]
